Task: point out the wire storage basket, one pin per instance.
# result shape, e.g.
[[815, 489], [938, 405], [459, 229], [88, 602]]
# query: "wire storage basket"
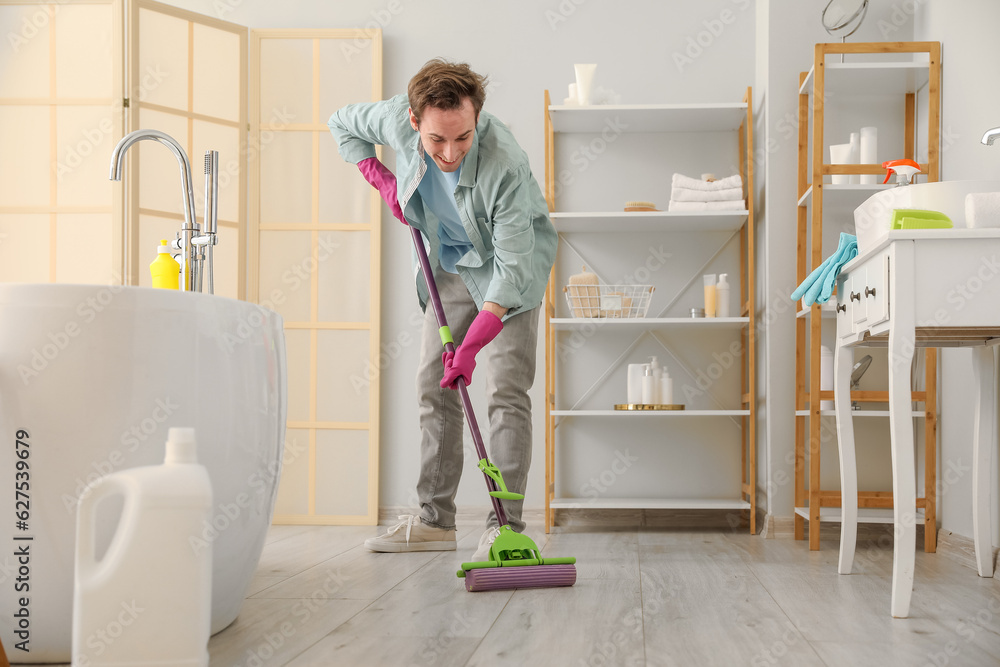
[[608, 301]]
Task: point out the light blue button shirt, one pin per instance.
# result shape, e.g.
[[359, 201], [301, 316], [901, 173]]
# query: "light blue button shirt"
[[437, 189], [498, 200]]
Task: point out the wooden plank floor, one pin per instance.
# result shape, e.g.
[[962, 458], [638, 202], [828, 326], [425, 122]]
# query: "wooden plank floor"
[[645, 596]]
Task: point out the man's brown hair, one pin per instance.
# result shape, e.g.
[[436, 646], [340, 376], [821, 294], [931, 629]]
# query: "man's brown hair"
[[443, 85]]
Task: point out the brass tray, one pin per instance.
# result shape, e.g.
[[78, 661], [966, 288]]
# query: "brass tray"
[[648, 406]]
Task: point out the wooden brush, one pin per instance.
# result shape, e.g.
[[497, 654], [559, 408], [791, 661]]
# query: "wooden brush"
[[585, 294]]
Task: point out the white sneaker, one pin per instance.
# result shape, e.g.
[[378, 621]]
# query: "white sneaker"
[[485, 542], [412, 535]]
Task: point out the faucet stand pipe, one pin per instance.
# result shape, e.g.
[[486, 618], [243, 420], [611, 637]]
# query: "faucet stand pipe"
[[191, 228]]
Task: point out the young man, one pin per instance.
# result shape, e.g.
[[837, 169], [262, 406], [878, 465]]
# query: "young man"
[[464, 182]]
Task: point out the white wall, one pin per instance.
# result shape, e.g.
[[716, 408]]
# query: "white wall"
[[792, 28], [969, 106], [647, 52]]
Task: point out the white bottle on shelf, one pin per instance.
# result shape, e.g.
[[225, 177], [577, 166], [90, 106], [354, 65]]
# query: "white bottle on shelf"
[[722, 296], [666, 388], [635, 373], [648, 387], [654, 365]]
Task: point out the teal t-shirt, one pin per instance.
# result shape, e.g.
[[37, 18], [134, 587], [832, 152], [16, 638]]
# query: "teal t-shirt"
[[437, 189]]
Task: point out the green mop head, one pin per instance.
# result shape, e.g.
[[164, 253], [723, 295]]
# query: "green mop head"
[[515, 562]]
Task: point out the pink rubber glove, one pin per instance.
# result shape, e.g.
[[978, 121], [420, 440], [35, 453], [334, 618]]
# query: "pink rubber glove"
[[483, 329], [383, 180]]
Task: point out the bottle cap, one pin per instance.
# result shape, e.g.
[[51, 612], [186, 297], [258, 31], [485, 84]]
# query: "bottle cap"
[[723, 277], [164, 247], [181, 446]]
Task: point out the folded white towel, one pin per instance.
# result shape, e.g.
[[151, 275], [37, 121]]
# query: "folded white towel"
[[982, 209], [734, 181], [678, 193], [684, 206]]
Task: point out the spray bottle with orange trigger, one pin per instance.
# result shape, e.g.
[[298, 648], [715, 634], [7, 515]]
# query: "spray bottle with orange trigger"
[[905, 170]]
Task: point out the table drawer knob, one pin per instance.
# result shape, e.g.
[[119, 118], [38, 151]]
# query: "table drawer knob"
[[856, 296], [869, 291], [841, 307]]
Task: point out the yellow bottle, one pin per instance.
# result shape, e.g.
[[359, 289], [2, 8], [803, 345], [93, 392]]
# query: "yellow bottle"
[[165, 270]]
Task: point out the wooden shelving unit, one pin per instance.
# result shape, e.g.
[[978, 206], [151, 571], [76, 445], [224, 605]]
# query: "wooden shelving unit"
[[670, 118], [840, 80]]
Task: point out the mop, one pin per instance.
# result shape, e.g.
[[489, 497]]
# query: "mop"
[[515, 561]]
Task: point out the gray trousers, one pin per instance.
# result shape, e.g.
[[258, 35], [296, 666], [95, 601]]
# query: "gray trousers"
[[506, 367]]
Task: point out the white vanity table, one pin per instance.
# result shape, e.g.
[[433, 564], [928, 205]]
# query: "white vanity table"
[[918, 288]]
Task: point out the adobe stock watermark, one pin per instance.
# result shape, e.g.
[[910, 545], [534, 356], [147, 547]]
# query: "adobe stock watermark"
[[697, 44], [656, 259], [622, 647], [304, 610], [583, 157], [253, 146], [596, 486], [984, 620], [295, 276], [56, 342], [94, 137], [436, 647], [961, 294], [705, 377], [32, 26], [130, 440], [563, 11], [902, 13], [380, 19], [103, 638], [226, 514], [776, 651], [389, 352]]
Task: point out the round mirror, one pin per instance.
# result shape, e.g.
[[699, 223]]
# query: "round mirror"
[[841, 18]]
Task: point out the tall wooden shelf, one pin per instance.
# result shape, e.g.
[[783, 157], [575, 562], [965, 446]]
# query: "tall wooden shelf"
[[736, 118], [842, 80]]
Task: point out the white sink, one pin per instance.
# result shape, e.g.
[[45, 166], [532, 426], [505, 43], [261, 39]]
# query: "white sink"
[[95, 376], [873, 218]]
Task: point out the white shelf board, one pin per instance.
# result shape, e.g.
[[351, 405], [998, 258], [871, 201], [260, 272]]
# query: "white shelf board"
[[870, 78], [865, 514], [650, 413], [721, 117], [827, 310], [858, 413], [648, 221], [644, 323], [650, 503], [845, 195]]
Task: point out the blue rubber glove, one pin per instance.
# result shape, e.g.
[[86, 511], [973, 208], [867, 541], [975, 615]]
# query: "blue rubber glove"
[[818, 286]]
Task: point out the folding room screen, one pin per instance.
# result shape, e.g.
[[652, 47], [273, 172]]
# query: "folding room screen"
[[298, 227], [60, 116], [315, 244]]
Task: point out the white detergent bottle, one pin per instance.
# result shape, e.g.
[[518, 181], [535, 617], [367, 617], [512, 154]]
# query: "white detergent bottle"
[[148, 600]]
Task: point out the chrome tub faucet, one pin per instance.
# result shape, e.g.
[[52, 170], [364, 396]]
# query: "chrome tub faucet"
[[197, 266]]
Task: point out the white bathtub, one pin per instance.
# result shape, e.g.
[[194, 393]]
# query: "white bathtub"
[[94, 376]]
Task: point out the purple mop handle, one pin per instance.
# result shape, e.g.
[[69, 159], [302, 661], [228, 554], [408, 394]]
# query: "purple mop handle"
[[477, 437]]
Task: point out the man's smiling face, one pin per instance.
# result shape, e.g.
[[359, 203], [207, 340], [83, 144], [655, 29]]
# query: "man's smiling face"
[[447, 133]]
